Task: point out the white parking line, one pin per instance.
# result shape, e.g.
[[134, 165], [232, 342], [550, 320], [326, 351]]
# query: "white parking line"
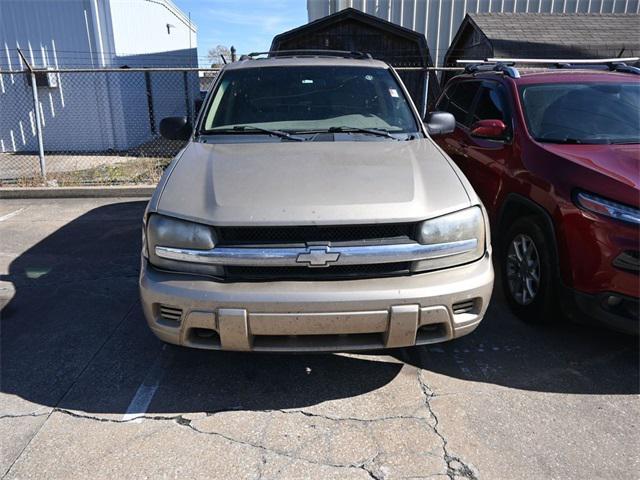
[[11, 215], [147, 389]]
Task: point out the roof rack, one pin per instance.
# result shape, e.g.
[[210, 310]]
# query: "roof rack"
[[309, 53], [498, 64], [506, 68], [551, 61], [619, 67]]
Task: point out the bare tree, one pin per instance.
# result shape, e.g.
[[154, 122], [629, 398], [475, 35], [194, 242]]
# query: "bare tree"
[[214, 55]]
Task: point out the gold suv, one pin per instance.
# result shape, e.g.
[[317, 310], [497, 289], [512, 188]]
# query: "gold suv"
[[311, 211]]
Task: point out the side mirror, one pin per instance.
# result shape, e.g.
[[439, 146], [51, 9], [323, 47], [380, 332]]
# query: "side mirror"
[[175, 128], [440, 123], [489, 129]]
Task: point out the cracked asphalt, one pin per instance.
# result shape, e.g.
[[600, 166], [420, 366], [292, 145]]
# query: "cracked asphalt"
[[86, 391]]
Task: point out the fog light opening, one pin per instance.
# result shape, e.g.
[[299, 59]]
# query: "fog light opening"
[[204, 333], [620, 305], [203, 338], [430, 333], [613, 301]]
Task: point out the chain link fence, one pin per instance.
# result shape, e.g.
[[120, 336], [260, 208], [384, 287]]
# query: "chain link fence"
[[84, 127], [101, 126]]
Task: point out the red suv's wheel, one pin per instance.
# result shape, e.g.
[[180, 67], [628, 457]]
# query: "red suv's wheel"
[[527, 273]]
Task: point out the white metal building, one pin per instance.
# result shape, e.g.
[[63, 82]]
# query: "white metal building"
[[439, 19], [89, 111], [95, 33]]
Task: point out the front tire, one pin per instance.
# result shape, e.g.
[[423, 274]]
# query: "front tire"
[[527, 271]]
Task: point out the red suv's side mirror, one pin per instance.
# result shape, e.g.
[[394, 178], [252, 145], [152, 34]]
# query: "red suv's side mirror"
[[491, 129]]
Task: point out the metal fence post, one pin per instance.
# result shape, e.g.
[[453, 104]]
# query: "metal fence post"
[[185, 80], [36, 108]]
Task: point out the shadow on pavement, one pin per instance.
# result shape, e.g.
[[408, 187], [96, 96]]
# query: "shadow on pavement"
[[74, 337], [561, 357]]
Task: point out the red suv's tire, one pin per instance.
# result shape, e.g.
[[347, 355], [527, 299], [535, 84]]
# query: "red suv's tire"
[[526, 265]]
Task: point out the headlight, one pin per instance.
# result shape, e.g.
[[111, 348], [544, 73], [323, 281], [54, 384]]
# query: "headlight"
[[172, 232], [464, 228], [608, 208]]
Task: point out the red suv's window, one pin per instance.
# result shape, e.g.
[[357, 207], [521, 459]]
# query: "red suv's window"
[[491, 104], [458, 99]]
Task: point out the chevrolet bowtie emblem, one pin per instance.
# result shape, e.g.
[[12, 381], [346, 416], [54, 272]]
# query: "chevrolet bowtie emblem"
[[318, 257]]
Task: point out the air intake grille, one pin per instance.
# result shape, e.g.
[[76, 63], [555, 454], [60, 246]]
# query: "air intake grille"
[[463, 307], [171, 314], [628, 260], [313, 233], [338, 272]]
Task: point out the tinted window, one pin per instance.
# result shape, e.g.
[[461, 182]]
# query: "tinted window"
[[460, 100], [310, 98], [491, 104], [583, 112]]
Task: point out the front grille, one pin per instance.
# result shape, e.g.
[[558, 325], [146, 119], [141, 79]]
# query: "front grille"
[[316, 234], [336, 272], [313, 233]]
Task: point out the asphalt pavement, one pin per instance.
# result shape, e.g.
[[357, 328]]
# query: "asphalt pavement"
[[86, 391]]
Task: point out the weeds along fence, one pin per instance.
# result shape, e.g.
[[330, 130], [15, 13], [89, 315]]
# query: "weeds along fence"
[[87, 126], [95, 126]]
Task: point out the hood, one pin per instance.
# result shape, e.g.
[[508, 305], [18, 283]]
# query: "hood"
[[619, 162], [306, 183]]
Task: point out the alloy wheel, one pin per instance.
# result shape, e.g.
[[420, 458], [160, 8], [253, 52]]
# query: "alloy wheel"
[[523, 269]]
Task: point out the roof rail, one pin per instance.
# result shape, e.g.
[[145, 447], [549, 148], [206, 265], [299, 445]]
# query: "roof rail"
[[499, 64], [507, 69], [309, 53], [611, 64], [552, 61], [624, 68], [619, 67]]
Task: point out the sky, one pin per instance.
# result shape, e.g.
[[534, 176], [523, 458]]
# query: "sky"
[[248, 25]]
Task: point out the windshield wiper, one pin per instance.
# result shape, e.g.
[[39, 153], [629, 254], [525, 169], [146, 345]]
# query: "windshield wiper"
[[577, 141], [249, 128], [569, 140], [369, 131]]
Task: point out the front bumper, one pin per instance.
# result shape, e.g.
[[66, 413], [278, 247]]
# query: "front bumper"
[[622, 317], [599, 258], [592, 247], [316, 316]]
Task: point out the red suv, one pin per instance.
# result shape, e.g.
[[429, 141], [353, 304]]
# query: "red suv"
[[555, 157]]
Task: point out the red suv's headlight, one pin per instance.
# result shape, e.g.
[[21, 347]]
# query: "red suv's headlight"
[[608, 208]]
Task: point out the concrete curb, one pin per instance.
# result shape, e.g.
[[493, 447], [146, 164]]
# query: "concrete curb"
[[78, 192]]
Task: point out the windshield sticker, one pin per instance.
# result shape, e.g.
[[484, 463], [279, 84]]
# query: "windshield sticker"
[[393, 92]]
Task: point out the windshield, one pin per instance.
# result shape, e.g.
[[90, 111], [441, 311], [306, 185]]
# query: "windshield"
[[583, 112], [308, 98]]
